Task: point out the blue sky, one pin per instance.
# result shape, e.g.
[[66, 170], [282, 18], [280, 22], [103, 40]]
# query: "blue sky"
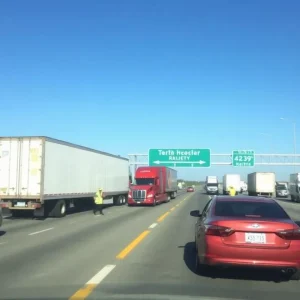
[[126, 76]]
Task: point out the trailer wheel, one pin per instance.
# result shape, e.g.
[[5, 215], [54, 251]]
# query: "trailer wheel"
[[124, 200], [60, 209], [118, 200]]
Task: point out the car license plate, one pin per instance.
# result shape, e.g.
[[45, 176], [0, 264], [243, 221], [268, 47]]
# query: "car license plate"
[[255, 238], [21, 204]]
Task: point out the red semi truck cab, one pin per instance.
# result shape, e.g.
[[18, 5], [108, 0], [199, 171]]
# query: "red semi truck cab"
[[153, 185]]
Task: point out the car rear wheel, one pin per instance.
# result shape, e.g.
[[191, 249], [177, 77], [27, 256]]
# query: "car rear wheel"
[[202, 269]]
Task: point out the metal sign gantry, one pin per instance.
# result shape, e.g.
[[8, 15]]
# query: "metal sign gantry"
[[141, 159]]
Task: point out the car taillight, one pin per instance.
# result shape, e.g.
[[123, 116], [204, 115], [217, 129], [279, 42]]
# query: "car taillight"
[[218, 230], [291, 234]]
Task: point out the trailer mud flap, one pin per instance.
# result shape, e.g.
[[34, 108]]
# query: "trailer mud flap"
[[39, 212]]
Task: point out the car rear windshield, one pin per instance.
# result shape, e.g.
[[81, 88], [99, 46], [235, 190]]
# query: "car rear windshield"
[[249, 209]]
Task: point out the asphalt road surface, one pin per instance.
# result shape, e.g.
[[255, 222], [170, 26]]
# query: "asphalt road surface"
[[129, 253]]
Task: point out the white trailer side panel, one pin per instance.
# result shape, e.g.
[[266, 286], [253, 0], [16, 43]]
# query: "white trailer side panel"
[[261, 183], [265, 182], [73, 170], [20, 167], [233, 180]]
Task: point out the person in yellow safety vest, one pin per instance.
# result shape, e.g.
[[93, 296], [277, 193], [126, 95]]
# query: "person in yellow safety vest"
[[98, 199], [232, 191]]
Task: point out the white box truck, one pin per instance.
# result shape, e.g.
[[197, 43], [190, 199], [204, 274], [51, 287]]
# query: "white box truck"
[[233, 180], [212, 185], [295, 187], [47, 176], [261, 184]]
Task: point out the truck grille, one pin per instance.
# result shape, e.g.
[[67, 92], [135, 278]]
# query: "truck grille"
[[139, 195]]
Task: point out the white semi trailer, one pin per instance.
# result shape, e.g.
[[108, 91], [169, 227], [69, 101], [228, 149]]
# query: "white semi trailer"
[[261, 184], [47, 176], [233, 180]]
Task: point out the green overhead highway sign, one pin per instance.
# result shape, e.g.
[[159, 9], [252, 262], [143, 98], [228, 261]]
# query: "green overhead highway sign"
[[180, 158], [243, 158]]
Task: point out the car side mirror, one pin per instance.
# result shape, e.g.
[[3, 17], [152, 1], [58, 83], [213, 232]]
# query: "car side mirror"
[[195, 213]]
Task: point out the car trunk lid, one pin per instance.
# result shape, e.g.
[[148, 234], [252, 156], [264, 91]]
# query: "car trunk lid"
[[257, 233]]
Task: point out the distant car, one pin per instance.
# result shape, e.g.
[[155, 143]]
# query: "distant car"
[[247, 232], [190, 189]]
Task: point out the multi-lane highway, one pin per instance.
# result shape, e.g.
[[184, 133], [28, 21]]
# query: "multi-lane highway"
[[129, 253]]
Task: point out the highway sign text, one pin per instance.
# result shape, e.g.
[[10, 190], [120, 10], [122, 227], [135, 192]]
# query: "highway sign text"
[[180, 158], [243, 158]]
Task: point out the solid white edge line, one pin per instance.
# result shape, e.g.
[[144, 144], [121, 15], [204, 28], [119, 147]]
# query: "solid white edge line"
[[101, 274], [152, 225], [37, 232]]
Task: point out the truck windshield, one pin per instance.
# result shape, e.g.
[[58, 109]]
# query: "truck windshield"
[[280, 187], [211, 184], [144, 181]]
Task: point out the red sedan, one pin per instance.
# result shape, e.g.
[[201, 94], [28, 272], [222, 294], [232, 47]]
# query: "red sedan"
[[247, 231], [190, 189]]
